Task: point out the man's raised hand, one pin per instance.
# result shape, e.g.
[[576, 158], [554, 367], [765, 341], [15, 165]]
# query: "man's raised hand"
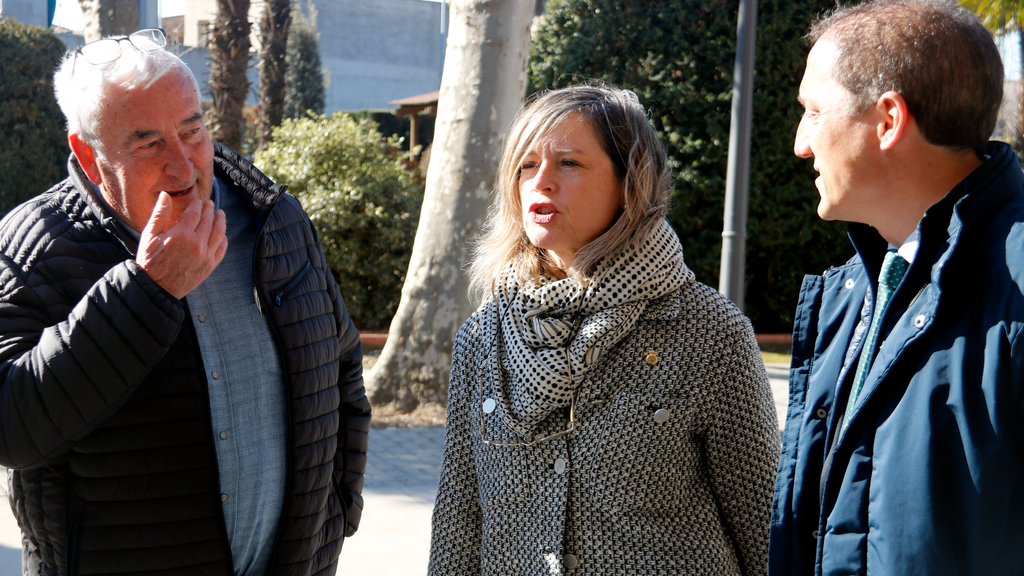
[[180, 255]]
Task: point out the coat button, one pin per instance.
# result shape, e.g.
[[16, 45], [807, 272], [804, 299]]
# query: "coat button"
[[202, 318], [223, 497], [489, 405], [570, 561], [920, 321], [662, 415], [652, 358], [215, 375], [821, 413], [814, 534], [849, 283], [560, 466], [223, 435]]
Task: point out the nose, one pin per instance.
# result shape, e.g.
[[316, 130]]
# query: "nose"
[[802, 143], [177, 162], [544, 178]]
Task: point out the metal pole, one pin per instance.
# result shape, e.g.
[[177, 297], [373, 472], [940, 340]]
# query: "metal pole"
[[737, 180]]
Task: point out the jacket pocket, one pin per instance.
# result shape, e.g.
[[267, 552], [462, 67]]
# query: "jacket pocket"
[[501, 471], [279, 295], [643, 457]]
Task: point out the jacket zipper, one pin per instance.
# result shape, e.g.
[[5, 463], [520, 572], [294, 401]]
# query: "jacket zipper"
[[278, 295]]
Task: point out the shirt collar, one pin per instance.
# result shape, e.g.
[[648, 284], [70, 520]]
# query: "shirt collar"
[[908, 250]]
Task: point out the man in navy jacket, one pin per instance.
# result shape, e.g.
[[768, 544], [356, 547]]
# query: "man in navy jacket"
[[902, 450]]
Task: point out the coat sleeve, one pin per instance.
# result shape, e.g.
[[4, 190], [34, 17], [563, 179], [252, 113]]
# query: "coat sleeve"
[[60, 380], [743, 445], [457, 527], [354, 411]]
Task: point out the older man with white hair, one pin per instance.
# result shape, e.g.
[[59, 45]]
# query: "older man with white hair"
[[180, 384]]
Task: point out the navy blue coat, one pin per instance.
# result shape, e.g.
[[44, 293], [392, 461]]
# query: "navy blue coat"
[[928, 478]]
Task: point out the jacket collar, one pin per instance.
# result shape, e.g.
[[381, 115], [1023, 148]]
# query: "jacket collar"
[[974, 199], [231, 166]]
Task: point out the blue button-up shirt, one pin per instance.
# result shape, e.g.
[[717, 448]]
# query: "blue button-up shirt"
[[248, 409]]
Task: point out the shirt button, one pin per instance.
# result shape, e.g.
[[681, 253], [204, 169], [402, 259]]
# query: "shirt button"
[[215, 376], [223, 497], [662, 415], [202, 318], [920, 320], [489, 405], [849, 283], [223, 435], [821, 413], [570, 561], [560, 466]]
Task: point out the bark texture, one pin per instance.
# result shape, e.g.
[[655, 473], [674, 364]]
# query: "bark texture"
[[482, 86], [228, 84], [109, 18], [273, 66]]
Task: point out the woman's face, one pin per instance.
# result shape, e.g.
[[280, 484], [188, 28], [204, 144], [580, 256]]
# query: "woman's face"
[[568, 188]]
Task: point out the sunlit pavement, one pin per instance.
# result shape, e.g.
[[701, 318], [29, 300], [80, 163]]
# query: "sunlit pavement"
[[401, 483]]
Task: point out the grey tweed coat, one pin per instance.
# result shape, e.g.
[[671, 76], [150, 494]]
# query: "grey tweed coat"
[[686, 492]]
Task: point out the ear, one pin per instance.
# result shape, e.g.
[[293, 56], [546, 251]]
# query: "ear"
[[86, 157], [894, 121]]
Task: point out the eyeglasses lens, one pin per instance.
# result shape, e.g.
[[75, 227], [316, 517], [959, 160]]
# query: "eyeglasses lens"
[[109, 49], [101, 51], [148, 39]]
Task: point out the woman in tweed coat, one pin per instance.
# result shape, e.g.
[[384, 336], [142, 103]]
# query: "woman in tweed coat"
[[607, 413]]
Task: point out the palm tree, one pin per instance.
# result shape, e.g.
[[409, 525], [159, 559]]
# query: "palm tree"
[[228, 83], [1001, 17], [273, 66]]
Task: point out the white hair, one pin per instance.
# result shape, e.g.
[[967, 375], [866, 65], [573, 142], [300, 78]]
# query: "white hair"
[[82, 88]]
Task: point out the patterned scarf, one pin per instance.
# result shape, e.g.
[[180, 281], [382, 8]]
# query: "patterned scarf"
[[557, 324]]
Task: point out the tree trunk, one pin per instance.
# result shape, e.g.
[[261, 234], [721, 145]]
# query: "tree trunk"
[[483, 83], [228, 83], [109, 18], [273, 66], [1018, 130]]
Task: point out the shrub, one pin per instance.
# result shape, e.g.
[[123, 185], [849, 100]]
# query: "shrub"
[[678, 56], [361, 199], [35, 149]]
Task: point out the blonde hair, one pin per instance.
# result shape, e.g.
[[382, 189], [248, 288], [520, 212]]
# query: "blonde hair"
[[638, 160]]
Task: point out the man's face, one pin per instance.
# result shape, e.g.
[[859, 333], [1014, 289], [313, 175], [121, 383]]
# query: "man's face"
[[154, 140], [844, 146]]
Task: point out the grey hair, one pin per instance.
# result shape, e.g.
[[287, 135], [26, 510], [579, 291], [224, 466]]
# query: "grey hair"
[[638, 160], [82, 88]]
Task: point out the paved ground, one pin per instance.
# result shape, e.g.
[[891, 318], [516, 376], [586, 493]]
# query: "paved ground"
[[401, 482]]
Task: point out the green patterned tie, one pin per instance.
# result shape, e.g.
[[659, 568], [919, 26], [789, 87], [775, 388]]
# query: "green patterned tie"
[[893, 269]]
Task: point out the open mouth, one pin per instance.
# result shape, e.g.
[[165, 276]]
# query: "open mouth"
[[542, 213], [176, 193]]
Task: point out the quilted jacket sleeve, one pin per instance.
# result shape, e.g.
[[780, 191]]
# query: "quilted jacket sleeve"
[[457, 531], [743, 445], [354, 428], [62, 377]]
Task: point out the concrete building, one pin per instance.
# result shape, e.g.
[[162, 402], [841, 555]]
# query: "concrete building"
[[374, 52]]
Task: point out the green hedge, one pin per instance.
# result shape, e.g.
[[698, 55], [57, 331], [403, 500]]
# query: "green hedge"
[[362, 200], [34, 152], [678, 56]]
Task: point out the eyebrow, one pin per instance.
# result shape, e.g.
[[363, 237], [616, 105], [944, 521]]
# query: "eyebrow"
[[146, 134]]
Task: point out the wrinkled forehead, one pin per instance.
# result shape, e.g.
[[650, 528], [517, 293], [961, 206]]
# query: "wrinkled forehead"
[[128, 111]]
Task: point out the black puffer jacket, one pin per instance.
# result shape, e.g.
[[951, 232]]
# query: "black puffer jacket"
[[104, 413]]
